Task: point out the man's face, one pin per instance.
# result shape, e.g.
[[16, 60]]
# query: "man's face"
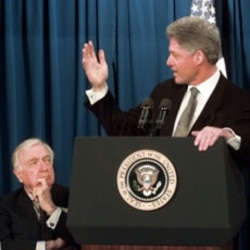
[[182, 62], [35, 163]]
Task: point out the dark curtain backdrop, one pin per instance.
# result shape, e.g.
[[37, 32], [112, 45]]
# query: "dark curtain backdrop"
[[42, 83]]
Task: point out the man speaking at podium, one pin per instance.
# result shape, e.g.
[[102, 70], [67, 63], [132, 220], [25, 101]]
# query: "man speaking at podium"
[[198, 101]]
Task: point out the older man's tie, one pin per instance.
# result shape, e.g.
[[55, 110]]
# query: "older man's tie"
[[45, 231], [182, 128]]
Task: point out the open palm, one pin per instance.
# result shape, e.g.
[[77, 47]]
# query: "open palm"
[[96, 69]]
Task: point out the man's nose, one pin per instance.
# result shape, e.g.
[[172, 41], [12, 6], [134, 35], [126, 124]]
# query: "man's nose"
[[43, 165], [168, 61]]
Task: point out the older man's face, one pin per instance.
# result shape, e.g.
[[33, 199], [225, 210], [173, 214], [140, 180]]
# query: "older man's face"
[[35, 165]]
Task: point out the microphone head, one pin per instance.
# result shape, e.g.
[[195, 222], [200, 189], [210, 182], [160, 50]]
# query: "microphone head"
[[148, 102], [165, 103]]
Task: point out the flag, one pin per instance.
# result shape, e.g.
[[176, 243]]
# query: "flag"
[[206, 9]]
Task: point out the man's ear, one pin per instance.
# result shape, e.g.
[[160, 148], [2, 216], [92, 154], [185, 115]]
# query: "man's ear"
[[199, 57], [18, 173]]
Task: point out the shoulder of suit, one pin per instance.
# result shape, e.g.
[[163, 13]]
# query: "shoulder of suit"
[[59, 187], [12, 196]]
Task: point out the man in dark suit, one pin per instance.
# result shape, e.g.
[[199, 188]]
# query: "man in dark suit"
[[34, 216], [222, 110]]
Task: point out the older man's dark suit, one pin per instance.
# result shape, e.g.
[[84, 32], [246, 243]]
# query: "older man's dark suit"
[[228, 106], [19, 225]]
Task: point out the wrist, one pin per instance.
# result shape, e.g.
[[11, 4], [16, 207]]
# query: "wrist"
[[100, 87], [228, 133], [51, 209]]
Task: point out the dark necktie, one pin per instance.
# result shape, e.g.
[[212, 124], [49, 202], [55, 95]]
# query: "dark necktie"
[[43, 216], [182, 128], [45, 231]]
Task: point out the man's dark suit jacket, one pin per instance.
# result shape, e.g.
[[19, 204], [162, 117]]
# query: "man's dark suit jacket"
[[19, 225], [228, 106]]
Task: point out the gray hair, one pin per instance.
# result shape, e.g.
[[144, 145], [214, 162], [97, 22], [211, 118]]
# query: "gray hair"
[[27, 144], [196, 33]]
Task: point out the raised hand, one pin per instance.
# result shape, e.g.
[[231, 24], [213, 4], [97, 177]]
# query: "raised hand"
[[96, 69]]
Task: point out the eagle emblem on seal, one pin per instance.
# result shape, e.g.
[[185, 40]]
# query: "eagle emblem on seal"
[[146, 183]]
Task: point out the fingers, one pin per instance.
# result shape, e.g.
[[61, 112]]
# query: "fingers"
[[55, 244], [101, 57], [42, 182], [59, 243], [91, 50], [206, 137], [88, 50], [96, 69], [89, 59], [85, 53], [41, 187]]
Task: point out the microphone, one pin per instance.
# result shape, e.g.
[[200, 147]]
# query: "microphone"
[[146, 107], [164, 108]]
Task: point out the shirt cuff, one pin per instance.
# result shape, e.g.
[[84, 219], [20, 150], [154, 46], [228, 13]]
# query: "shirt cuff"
[[54, 218], [95, 96], [235, 141], [40, 245]]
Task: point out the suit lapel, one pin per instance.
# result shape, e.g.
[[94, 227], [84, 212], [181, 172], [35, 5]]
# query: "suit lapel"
[[25, 206], [24, 218]]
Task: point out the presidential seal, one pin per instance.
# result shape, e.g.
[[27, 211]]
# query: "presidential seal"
[[146, 180]]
